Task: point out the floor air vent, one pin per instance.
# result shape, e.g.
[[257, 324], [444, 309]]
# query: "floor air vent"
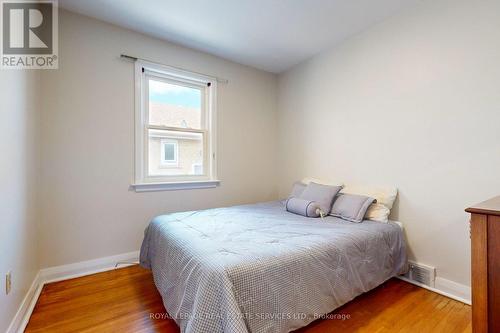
[[421, 273]]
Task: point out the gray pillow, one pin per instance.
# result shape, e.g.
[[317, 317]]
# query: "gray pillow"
[[302, 207], [322, 194], [297, 189], [351, 207]]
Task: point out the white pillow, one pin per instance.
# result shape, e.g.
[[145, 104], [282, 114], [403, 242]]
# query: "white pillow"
[[380, 210], [308, 180]]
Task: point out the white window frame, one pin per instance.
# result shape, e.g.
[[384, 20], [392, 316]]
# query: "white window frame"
[[144, 181], [163, 160]]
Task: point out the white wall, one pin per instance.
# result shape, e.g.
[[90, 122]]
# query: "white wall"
[[413, 102], [88, 210], [19, 163]]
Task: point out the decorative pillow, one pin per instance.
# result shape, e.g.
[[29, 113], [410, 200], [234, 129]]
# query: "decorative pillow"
[[385, 197], [302, 207], [322, 194], [297, 189], [351, 207]]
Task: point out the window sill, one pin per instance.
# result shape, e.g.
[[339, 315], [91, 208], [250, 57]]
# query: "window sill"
[[190, 185]]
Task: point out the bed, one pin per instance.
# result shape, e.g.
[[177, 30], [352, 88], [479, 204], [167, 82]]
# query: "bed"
[[257, 268]]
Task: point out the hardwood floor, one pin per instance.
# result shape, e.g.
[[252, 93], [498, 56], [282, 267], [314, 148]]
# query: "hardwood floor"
[[124, 299]]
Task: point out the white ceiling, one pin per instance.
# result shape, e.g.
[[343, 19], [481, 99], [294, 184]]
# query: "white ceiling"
[[272, 35]]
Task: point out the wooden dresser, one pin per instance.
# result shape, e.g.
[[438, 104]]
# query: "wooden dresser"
[[485, 237]]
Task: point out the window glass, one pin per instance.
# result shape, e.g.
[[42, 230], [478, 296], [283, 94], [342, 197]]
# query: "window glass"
[[174, 105], [169, 152], [175, 153]]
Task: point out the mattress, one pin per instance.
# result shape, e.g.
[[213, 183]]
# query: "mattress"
[[258, 268]]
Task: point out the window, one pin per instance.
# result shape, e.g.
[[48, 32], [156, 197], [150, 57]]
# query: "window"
[[169, 153], [175, 129]]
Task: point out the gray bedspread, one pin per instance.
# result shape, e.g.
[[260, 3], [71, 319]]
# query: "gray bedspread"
[[257, 268]]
